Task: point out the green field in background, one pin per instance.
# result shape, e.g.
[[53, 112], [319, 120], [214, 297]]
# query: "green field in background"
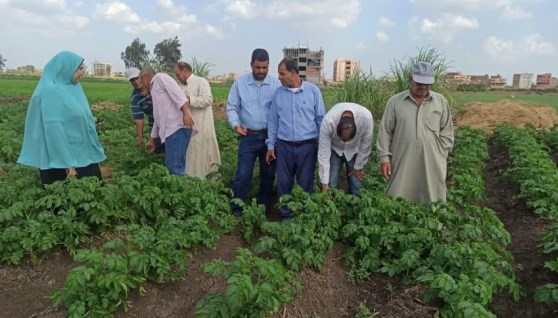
[[118, 91], [113, 90], [461, 98]]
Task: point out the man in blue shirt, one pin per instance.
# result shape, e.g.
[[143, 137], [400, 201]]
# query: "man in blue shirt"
[[248, 107], [297, 111]]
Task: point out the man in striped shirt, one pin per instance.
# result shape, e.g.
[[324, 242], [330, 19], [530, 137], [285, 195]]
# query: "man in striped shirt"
[[141, 105]]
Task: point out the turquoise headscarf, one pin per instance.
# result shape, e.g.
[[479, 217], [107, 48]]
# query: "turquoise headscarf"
[[59, 127]]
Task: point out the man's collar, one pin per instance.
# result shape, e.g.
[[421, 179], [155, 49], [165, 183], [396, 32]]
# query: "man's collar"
[[408, 94]]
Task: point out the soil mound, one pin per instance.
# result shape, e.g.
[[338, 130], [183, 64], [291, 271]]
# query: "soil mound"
[[487, 116], [105, 105]]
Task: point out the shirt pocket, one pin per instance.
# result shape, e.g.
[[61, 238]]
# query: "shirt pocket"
[[433, 121]]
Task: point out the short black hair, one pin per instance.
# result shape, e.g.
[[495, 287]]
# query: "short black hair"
[[290, 64], [346, 124], [260, 55]]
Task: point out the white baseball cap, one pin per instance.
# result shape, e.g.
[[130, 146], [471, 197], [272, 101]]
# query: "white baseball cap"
[[132, 72]]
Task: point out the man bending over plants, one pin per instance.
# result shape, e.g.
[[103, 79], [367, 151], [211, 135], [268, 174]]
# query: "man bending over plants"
[[345, 139]]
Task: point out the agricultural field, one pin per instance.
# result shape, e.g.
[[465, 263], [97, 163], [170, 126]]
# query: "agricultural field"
[[146, 244]]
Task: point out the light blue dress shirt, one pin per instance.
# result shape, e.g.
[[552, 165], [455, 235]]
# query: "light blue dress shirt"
[[248, 102], [295, 116]]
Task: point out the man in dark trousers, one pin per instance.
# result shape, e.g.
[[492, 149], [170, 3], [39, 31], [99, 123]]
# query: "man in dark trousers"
[[248, 107], [297, 111]]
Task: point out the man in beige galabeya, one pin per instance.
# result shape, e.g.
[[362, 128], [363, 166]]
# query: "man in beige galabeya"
[[203, 152], [414, 139]]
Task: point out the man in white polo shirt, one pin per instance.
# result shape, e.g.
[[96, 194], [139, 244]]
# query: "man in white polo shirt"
[[345, 139]]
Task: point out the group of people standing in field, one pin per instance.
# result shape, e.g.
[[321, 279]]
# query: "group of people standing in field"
[[281, 122]]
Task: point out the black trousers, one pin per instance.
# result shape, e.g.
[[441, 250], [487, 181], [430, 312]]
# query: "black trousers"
[[49, 176]]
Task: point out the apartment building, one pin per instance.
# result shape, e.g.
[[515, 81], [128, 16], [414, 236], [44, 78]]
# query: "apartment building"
[[101, 69], [523, 80], [544, 79], [343, 68]]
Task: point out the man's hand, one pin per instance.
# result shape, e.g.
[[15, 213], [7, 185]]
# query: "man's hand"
[[70, 172], [270, 156], [187, 117], [358, 173], [140, 141], [325, 187], [242, 131], [151, 145], [385, 170]]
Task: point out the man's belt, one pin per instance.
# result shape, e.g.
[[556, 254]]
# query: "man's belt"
[[301, 142], [262, 132]]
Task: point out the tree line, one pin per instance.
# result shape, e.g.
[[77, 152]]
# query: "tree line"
[[165, 55]]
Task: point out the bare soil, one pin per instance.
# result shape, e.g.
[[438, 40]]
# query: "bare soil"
[[220, 111], [105, 105], [23, 99], [526, 230]]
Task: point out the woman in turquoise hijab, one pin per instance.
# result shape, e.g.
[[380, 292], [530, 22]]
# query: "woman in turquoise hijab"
[[60, 136]]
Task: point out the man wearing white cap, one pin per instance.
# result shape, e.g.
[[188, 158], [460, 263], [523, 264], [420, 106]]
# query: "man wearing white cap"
[[414, 139], [141, 105]]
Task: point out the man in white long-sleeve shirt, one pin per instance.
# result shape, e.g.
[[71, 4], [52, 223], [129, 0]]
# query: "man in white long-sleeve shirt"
[[345, 139]]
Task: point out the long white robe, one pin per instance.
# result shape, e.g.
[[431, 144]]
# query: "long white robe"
[[416, 140], [202, 156]]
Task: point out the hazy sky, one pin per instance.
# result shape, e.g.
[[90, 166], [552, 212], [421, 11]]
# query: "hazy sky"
[[479, 36]]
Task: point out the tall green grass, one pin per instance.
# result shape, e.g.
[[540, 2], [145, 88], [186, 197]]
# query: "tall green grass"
[[363, 89], [400, 71], [373, 92]]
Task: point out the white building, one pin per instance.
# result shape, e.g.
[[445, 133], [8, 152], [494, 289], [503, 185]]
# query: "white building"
[[523, 80], [101, 69]]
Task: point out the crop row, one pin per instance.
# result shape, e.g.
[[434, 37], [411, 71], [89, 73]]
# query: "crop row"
[[549, 137], [532, 168], [536, 173], [455, 248]]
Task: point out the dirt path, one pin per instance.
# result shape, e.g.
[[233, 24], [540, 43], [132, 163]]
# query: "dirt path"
[[328, 294], [23, 288], [525, 228]]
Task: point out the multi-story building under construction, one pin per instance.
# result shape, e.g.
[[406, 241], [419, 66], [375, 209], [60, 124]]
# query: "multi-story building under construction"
[[310, 63]]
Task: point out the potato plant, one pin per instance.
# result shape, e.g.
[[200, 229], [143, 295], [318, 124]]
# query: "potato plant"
[[454, 248], [536, 173]]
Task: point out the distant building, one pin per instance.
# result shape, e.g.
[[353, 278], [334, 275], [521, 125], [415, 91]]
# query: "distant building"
[[544, 79], [101, 69], [553, 82], [310, 63], [497, 81], [232, 76], [343, 68], [480, 79], [523, 80], [458, 78], [487, 80]]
